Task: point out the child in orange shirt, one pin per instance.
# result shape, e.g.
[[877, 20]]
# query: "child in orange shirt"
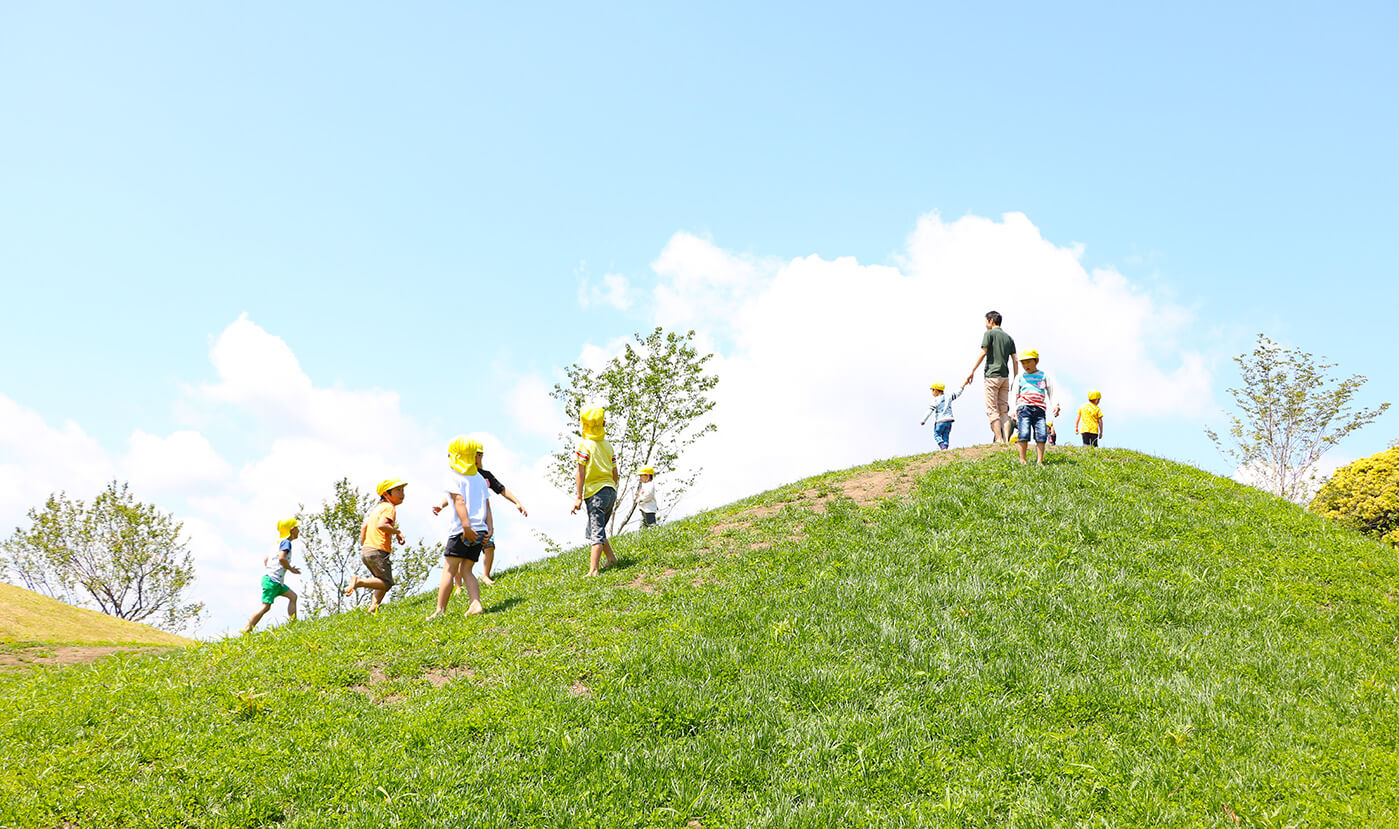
[[376, 542]]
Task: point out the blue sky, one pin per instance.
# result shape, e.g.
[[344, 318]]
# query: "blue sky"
[[412, 200]]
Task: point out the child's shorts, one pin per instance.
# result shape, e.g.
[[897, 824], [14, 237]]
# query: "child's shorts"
[[459, 547], [1090, 438], [648, 519], [272, 589], [379, 564], [1031, 423], [600, 506]]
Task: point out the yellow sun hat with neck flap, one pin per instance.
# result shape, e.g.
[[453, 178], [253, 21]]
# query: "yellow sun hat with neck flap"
[[593, 421], [461, 454], [285, 526]]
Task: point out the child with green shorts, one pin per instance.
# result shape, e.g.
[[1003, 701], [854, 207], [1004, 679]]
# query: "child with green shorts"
[[274, 581]]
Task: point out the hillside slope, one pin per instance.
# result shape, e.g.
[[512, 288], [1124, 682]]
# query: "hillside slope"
[[1112, 640], [26, 616]]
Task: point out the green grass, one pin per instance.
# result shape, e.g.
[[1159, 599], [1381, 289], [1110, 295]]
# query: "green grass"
[[1114, 640], [30, 618]]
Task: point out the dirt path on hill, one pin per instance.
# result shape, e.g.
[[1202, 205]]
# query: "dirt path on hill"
[[864, 488], [22, 657]]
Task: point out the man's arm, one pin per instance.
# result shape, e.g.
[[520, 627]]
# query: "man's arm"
[[460, 506], [972, 374]]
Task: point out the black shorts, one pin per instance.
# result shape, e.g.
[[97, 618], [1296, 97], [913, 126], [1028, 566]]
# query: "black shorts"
[[459, 547], [1090, 438], [648, 519]]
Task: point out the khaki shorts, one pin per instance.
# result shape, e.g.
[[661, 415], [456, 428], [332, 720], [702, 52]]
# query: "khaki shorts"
[[379, 564], [997, 399]]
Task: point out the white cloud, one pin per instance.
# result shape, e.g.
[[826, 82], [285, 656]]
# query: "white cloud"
[[181, 461], [615, 292], [826, 363]]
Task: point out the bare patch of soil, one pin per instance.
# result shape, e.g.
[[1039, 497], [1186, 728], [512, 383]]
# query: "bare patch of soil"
[[438, 678], [578, 689], [645, 585], [865, 488], [23, 658]]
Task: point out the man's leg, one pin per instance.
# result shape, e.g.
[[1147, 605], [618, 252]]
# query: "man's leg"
[[993, 412]]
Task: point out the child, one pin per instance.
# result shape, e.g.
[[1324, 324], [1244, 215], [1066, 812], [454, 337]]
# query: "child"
[[1053, 435], [646, 496], [942, 408], [376, 541], [488, 547], [596, 481], [1090, 420], [1032, 399], [471, 523], [274, 581]]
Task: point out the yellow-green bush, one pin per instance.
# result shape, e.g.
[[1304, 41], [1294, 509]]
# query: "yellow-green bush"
[[1364, 496]]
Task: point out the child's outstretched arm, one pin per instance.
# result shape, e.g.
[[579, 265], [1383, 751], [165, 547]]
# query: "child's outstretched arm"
[[436, 508], [510, 496]]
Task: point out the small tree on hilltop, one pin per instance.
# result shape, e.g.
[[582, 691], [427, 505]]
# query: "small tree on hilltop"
[[125, 557], [1290, 413], [656, 393], [331, 535], [1364, 496]]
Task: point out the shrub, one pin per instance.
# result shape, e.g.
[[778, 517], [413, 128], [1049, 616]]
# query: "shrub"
[[1364, 496]]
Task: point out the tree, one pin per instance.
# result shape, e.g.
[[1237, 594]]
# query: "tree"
[[1364, 496], [1290, 413], [656, 393], [125, 557], [331, 535]]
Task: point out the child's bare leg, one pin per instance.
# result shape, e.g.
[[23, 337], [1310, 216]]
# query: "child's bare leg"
[[1039, 453], [594, 556], [607, 548], [257, 617], [291, 605], [1021, 447], [473, 591], [378, 599], [444, 590], [488, 564]]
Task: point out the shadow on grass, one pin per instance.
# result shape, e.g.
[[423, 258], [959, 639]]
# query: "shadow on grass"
[[623, 562], [505, 605]]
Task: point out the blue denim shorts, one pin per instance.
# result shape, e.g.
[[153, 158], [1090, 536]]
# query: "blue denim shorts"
[[1031, 422], [942, 432], [599, 506]]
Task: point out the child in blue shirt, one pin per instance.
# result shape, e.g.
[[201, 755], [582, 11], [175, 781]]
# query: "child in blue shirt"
[[941, 412]]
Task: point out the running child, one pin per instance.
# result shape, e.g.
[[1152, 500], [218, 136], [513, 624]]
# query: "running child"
[[941, 412], [595, 482], [488, 546], [1033, 398], [469, 495], [376, 542], [646, 496], [274, 581], [1090, 420]]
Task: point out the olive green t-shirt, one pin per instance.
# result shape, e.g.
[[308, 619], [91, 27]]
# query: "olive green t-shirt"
[[999, 348]]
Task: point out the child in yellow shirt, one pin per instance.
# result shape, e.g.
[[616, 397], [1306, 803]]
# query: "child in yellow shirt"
[[376, 542], [596, 482], [1090, 419]]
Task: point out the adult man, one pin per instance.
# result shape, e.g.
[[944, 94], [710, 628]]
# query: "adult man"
[[998, 350]]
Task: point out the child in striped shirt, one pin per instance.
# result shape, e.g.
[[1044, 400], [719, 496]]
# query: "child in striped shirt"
[[1033, 398]]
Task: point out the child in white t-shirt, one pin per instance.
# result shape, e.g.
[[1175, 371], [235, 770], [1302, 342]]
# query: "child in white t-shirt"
[[470, 523], [274, 580], [646, 496]]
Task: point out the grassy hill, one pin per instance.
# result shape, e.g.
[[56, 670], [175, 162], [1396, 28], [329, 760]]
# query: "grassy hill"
[[26, 616], [1114, 640]]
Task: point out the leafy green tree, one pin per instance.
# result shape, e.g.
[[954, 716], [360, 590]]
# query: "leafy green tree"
[[124, 557], [656, 393], [1364, 496], [331, 535], [1290, 413]]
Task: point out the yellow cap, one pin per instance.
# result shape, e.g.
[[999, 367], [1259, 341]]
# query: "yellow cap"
[[461, 454], [1095, 395], [285, 526], [592, 421], [939, 386], [388, 484], [647, 470], [1032, 354]]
